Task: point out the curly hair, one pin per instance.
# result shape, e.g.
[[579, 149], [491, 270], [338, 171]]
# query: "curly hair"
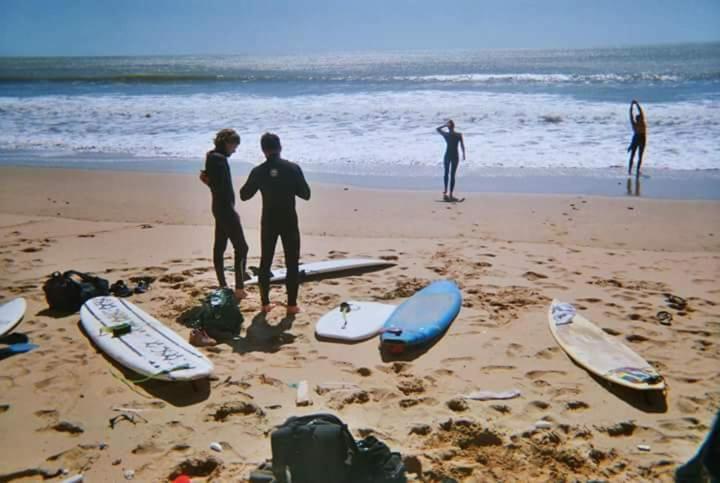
[[226, 136]]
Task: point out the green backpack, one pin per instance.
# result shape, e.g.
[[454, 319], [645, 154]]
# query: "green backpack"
[[219, 313]]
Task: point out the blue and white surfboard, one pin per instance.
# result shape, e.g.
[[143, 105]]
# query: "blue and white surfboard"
[[422, 318]]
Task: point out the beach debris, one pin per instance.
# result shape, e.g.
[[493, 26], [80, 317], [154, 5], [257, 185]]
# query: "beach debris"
[[116, 462], [4, 408], [335, 386], [215, 446], [542, 424], [129, 474], [643, 447], [126, 414], [492, 395], [457, 404], [182, 479], [74, 479], [230, 408], [664, 317], [675, 302], [303, 394]]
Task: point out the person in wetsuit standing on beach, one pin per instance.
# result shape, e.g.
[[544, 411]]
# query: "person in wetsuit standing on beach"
[[218, 177], [279, 182], [639, 136], [452, 158]]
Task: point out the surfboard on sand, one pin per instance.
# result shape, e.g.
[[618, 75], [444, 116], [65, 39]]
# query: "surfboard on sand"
[[11, 314], [150, 348], [353, 321], [596, 351], [422, 318], [327, 266]]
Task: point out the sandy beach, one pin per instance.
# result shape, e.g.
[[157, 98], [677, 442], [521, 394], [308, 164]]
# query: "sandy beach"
[[613, 258]]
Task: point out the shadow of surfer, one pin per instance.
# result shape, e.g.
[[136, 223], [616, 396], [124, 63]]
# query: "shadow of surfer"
[[261, 336]]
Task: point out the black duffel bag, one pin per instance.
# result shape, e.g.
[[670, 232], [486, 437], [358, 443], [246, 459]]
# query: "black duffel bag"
[[319, 448], [67, 291]]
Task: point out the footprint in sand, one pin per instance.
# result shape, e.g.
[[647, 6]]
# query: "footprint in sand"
[[533, 276], [493, 368], [538, 374], [408, 403], [564, 391], [576, 405], [542, 405], [683, 425], [547, 353], [636, 338], [514, 350], [689, 404]]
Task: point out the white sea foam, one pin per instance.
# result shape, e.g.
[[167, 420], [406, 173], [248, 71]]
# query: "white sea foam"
[[368, 132]]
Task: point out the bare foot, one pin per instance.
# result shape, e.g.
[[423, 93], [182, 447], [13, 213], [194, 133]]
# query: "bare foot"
[[267, 308], [293, 309], [240, 293]]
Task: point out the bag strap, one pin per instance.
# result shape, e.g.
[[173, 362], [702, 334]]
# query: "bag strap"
[[86, 277]]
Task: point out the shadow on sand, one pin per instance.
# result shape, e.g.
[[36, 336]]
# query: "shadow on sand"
[[646, 401], [260, 336], [177, 393]]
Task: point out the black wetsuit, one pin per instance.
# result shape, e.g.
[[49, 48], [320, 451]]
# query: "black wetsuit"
[[452, 157], [279, 181], [227, 221]]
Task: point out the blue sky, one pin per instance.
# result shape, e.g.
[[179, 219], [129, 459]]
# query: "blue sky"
[[136, 27]]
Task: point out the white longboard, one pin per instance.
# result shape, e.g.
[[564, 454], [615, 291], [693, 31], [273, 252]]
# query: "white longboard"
[[599, 353], [150, 348], [364, 320], [11, 314], [327, 266]]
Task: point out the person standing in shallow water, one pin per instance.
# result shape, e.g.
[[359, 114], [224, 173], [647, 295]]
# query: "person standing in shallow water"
[[218, 177], [452, 157], [639, 136], [279, 181]]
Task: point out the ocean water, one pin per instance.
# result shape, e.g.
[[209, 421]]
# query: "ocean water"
[[371, 113]]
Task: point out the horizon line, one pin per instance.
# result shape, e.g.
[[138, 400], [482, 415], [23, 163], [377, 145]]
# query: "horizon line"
[[360, 51]]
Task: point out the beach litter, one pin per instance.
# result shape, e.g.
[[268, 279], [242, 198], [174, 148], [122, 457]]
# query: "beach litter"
[[492, 395]]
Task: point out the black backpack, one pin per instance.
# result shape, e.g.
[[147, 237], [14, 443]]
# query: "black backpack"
[[318, 448], [219, 315], [66, 292]]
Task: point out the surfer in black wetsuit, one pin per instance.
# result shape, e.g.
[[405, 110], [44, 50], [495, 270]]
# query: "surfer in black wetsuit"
[[452, 158], [279, 182], [227, 222]]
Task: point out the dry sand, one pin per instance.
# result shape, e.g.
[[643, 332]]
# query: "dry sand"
[[612, 257]]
